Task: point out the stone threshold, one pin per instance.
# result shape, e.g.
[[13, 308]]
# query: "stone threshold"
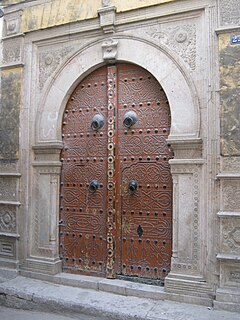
[[116, 286]]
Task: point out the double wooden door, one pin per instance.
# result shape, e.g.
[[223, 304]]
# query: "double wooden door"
[[116, 186]]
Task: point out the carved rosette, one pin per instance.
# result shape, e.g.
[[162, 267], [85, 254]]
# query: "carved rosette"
[[180, 39]]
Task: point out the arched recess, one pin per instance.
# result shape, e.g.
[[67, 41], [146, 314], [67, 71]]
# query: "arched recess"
[[177, 85], [184, 137]]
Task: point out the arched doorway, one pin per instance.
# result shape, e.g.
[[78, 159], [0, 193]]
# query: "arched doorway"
[[116, 186]]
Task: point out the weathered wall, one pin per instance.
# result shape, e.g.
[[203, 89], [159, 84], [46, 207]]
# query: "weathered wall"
[[57, 12], [230, 94]]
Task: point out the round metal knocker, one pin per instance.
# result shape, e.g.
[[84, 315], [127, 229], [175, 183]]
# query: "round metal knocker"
[[130, 118], [97, 122]]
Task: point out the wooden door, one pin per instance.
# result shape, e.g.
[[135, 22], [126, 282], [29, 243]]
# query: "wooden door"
[[116, 186]]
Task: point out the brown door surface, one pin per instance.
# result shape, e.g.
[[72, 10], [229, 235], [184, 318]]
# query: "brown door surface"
[[116, 186]]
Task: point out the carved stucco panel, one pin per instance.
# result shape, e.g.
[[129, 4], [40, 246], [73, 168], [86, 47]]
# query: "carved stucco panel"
[[8, 218], [229, 12], [231, 196], [180, 38], [187, 217], [230, 240], [11, 52], [44, 220], [231, 164], [8, 189], [50, 60]]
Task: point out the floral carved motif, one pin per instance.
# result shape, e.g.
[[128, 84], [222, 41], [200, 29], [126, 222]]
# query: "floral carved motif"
[[231, 236], [231, 198], [11, 52], [181, 39], [49, 61]]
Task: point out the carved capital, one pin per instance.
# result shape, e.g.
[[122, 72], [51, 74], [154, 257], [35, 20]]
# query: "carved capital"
[[109, 48]]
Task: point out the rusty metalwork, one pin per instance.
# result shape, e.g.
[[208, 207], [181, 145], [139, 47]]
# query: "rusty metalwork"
[[116, 186]]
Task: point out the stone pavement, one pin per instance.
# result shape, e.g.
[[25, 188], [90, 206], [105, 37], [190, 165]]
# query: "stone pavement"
[[75, 302], [17, 314]]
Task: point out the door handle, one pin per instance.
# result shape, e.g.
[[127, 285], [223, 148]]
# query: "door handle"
[[130, 118]]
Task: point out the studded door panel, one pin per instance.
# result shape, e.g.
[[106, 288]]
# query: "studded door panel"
[[84, 159], [143, 153], [116, 187]]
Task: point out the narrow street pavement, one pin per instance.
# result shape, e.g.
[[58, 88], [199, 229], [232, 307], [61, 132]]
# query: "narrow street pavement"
[[16, 314], [63, 302]]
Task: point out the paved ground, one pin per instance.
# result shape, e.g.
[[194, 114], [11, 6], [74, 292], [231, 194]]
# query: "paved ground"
[[15, 314], [82, 303]]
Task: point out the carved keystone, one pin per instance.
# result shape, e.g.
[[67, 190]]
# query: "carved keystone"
[[109, 48]]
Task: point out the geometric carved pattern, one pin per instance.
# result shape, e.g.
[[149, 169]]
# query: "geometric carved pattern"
[[8, 218], [114, 155], [143, 154]]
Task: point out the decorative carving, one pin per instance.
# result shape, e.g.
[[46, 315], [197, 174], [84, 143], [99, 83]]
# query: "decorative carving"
[[8, 166], [193, 264], [231, 164], [9, 116], [8, 189], [181, 39], [229, 12], [13, 26], [49, 60], [109, 48], [11, 52], [8, 218], [231, 196], [230, 236]]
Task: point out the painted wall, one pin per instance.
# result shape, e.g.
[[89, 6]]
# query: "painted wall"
[[57, 12]]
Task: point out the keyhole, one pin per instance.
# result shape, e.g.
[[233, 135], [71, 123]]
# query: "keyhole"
[[139, 231]]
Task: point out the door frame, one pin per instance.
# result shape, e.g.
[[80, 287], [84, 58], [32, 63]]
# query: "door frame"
[[184, 136]]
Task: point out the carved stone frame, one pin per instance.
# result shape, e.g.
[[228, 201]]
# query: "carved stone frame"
[[184, 137]]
